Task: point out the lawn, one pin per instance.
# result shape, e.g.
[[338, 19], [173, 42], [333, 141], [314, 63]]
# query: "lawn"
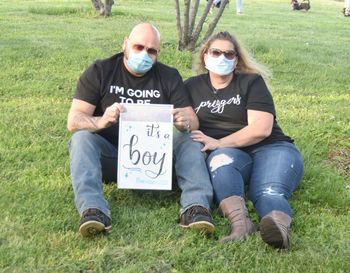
[[44, 47]]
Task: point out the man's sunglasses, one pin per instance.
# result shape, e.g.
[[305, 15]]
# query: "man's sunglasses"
[[149, 50], [216, 53]]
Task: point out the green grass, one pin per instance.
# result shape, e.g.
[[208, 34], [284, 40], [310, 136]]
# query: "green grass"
[[45, 46]]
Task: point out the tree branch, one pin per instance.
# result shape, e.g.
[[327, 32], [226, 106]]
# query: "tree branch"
[[193, 16], [213, 24], [178, 22], [185, 31], [199, 26]]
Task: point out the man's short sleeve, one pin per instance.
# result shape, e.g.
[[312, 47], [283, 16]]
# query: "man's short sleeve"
[[89, 85], [178, 95]]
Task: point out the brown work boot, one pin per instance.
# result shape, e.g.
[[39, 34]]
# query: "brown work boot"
[[235, 210], [275, 228]]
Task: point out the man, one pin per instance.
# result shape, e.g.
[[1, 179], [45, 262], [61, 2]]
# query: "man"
[[101, 91]]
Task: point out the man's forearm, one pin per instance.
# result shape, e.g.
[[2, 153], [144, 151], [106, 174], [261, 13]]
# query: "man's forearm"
[[81, 121]]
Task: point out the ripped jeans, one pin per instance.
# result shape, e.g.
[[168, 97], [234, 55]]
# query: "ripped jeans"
[[271, 173]]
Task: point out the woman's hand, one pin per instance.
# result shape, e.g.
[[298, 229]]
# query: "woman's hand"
[[208, 142]]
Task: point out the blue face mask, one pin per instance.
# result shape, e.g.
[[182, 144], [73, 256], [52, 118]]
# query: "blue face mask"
[[140, 62], [220, 65]]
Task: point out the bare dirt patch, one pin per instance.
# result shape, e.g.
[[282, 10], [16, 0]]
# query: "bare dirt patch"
[[340, 158]]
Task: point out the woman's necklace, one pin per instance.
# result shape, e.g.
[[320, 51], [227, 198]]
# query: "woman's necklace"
[[215, 91], [222, 85]]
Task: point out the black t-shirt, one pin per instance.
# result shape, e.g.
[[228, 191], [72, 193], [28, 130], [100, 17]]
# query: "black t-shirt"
[[224, 112], [108, 81]]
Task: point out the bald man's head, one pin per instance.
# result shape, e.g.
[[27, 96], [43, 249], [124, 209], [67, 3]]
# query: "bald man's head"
[[144, 34], [144, 37], [147, 28]]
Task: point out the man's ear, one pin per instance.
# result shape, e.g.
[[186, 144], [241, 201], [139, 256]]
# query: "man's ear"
[[125, 43]]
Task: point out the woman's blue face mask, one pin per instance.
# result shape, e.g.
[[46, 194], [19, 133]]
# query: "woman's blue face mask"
[[220, 65]]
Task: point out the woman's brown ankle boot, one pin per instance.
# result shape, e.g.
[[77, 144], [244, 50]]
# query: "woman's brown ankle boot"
[[275, 228], [235, 210]]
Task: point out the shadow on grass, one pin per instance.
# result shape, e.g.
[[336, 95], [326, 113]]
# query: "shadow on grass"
[[145, 198], [82, 11], [58, 10]]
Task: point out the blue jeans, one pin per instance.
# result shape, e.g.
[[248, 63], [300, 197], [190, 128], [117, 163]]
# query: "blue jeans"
[[93, 159], [270, 172]]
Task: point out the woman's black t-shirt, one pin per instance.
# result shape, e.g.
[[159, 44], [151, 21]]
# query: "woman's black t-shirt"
[[108, 81], [224, 112]]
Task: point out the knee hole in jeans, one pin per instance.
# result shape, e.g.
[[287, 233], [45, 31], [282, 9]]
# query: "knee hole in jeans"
[[219, 161], [270, 191]]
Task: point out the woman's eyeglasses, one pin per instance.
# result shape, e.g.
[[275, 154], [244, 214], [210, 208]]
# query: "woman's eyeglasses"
[[216, 53], [149, 50]]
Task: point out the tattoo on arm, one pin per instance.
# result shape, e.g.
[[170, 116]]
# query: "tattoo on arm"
[[82, 121]]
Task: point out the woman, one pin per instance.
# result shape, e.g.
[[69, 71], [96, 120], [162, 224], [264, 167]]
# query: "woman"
[[245, 145]]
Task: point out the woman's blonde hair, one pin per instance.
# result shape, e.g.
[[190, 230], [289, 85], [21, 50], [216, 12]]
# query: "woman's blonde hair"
[[245, 62]]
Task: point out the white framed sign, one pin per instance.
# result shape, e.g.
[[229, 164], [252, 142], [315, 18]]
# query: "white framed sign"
[[145, 149]]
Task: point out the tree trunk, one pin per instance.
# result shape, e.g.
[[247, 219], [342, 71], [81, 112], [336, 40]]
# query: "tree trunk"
[[99, 7], [108, 7], [103, 10]]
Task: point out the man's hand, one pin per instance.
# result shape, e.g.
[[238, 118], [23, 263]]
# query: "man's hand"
[[185, 119], [208, 142], [110, 116], [80, 116]]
